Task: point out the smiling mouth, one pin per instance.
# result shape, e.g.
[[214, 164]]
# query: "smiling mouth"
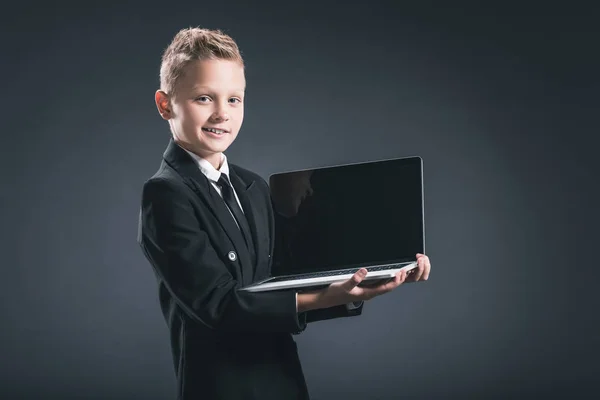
[[215, 131]]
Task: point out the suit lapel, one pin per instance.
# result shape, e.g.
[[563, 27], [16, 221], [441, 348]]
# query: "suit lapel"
[[246, 194], [185, 165]]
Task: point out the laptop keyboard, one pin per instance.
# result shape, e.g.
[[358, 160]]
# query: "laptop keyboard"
[[345, 271]]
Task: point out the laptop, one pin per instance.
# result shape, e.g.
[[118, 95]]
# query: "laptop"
[[331, 221]]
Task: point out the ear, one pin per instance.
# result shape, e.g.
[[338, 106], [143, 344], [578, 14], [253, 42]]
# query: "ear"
[[163, 104]]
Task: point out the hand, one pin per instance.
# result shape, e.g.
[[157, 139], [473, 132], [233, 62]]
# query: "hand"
[[421, 273], [348, 291]]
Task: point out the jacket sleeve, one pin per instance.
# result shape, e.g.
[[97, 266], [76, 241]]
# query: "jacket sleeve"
[[333, 312], [181, 253]]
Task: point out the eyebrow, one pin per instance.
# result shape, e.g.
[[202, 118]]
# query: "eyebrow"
[[209, 89]]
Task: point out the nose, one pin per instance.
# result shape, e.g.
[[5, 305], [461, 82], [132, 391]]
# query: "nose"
[[220, 114]]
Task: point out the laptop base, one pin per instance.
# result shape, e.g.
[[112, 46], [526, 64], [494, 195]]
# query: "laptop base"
[[316, 281]]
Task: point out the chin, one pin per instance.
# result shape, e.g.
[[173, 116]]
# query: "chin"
[[219, 149], [213, 145]]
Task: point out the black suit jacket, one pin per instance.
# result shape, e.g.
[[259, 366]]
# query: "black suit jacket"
[[226, 343]]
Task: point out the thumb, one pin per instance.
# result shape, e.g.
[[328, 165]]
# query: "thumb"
[[355, 280]]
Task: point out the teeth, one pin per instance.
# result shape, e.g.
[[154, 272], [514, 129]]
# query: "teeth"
[[217, 131]]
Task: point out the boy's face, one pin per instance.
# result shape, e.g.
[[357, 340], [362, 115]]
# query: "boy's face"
[[208, 96]]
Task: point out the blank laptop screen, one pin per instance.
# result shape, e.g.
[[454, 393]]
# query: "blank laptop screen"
[[348, 216]]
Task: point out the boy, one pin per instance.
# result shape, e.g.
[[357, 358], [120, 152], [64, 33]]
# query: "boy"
[[206, 226]]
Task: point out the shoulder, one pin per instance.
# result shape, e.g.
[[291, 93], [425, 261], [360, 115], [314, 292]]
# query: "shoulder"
[[249, 176], [165, 182]]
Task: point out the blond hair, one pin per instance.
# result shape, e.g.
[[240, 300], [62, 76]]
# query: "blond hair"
[[192, 44]]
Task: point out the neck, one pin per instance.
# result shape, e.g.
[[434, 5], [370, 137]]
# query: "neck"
[[215, 159]]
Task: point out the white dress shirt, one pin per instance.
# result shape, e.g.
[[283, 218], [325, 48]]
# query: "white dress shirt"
[[214, 174]]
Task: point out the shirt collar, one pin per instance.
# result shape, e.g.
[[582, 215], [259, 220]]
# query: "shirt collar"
[[207, 168]]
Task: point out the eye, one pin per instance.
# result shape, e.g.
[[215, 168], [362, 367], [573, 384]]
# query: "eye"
[[203, 99], [235, 100]]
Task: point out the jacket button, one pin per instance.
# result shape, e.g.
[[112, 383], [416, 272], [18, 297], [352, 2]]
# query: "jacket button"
[[232, 256]]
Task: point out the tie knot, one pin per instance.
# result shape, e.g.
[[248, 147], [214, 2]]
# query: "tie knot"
[[224, 181]]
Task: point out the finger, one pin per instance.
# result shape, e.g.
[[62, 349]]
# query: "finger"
[[355, 280], [398, 280], [395, 282], [416, 276], [403, 277], [427, 269], [379, 287], [386, 287], [419, 270]]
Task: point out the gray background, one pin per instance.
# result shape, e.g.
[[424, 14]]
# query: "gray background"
[[502, 104]]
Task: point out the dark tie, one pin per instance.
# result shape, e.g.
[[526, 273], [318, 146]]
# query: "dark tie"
[[230, 200]]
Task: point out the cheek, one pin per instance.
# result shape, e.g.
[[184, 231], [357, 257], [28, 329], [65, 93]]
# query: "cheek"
[[194, 117], [239, 117]]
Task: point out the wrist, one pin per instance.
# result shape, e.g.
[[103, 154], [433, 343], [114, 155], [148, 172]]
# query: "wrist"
[[311, 301]]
